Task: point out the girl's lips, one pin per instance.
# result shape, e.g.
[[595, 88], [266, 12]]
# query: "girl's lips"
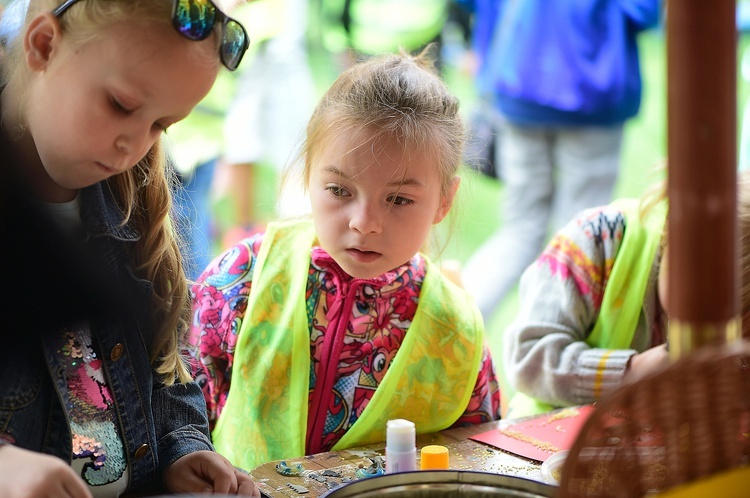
[[106, 168], [363, 256]]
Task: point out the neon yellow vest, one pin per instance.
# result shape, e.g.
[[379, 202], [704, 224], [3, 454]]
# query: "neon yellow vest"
[[623, 296], [730, 483], [429, 382]]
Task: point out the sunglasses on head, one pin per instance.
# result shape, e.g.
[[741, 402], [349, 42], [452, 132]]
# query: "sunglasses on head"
[[195, 19]]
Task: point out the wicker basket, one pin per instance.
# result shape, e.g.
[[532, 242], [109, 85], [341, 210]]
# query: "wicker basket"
[[688, 421]]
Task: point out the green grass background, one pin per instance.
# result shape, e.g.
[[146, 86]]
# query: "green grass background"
[[477, 212]]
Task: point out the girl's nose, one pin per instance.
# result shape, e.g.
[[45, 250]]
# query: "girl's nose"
[[134, 144], [122, 145], [366, 219]]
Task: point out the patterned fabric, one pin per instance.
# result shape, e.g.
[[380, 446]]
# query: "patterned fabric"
[[566, 258], [349, 350], [626, 286], [560, 300], [98, 452], [429, 380]]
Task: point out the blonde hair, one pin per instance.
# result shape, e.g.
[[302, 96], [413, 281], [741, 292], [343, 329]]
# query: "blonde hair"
[[84, 21], [394, 95], [654, 195], [143, 193]]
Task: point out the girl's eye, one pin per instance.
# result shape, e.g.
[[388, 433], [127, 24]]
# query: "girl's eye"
[[337, 190], [397, 200], [117, 106]]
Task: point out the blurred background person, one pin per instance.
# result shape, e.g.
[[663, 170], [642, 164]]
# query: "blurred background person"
[[196, 146], [483, 123], [562, 77], [266, 119]]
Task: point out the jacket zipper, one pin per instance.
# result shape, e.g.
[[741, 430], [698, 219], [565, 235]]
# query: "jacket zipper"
[[330, 354]]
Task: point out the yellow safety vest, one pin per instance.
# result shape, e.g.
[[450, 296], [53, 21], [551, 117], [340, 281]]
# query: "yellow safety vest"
[[732, 483], [623, 296], [429, 382]]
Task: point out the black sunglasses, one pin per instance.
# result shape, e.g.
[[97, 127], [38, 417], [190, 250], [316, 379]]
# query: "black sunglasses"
[[195, 19]]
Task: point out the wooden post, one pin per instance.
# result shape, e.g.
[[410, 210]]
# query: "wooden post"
[[703, 277]]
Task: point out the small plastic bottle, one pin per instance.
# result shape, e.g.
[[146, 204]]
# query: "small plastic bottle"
[[434, 457], [400, 446]]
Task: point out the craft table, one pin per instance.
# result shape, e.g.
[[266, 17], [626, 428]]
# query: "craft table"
[[465, 454]]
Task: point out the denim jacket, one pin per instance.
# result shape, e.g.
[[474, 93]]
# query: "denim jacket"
[[158, 424]]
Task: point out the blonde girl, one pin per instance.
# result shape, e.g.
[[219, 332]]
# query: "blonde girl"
[[89, 86]]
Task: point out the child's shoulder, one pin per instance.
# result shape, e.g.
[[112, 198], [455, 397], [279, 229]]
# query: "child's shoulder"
[[615, 211], [290, 230], [599, 223], [234, 263], [442, 282]]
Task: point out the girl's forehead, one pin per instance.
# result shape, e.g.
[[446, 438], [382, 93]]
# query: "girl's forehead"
[[366, 141], [358, 149], [377, 162], [349, 151]]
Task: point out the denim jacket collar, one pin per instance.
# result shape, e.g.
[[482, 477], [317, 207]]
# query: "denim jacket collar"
[[102, 216]]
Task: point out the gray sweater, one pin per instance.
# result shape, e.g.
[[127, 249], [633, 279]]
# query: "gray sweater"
[[545, 353]]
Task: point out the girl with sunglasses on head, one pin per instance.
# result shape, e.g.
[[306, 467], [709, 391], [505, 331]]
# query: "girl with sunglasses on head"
[[92, 404], [330, 327]]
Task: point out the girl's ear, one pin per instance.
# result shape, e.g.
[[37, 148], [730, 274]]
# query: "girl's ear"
[[40, 40], [447, 200]]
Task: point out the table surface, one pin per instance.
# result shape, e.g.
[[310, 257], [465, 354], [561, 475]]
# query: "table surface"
[[465, 454]]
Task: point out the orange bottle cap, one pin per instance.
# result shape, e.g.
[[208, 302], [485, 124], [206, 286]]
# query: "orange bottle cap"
[[434, 457]]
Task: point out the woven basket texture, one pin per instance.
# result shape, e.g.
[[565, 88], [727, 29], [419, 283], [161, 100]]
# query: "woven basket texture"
[[688, 421]]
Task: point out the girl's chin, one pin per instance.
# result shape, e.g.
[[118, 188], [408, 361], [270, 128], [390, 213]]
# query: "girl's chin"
[[358, 272]]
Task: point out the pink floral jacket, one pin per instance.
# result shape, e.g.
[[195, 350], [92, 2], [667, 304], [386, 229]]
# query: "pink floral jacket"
[[356, 328]]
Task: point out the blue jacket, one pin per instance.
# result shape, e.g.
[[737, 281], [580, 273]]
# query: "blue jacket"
[[562, 62], [158, 424]]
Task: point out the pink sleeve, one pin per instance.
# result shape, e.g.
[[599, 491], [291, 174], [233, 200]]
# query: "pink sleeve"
[[484, 405], [217, 313]]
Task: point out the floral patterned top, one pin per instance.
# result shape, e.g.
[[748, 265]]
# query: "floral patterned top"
[[356, 328]]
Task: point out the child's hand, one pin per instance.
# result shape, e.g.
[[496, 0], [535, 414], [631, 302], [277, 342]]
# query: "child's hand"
[[208, 472], [650, 361], [28, 474]]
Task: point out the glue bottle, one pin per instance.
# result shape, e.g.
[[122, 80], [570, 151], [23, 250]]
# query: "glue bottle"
[[400, 446]]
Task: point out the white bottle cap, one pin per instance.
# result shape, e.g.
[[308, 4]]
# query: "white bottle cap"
[[400, 435], [400, 446]]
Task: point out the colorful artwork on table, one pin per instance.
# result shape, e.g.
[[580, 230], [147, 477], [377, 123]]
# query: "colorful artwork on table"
[[539, 437]]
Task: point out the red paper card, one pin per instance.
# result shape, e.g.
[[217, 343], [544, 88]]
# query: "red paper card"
[[539, 437]]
